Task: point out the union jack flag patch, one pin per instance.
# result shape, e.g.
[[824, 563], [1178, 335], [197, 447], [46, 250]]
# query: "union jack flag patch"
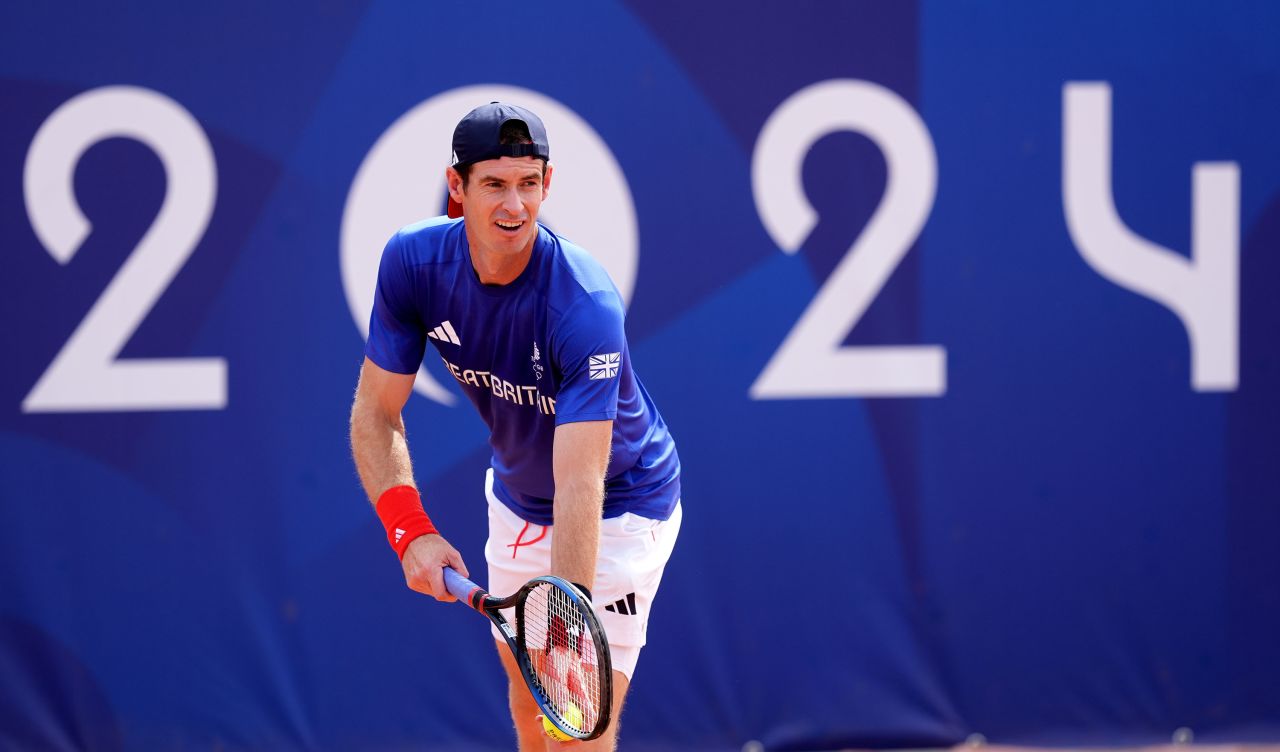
[[604, 366]]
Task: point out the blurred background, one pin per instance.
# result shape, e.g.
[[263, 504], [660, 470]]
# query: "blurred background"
[[963, 315]]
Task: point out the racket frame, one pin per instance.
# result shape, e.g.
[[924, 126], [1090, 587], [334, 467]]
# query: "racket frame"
[[491, 606]]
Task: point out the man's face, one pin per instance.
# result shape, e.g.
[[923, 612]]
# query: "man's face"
[[501, 201]]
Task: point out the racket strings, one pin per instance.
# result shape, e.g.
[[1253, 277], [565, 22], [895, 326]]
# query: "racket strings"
[[563, 654]]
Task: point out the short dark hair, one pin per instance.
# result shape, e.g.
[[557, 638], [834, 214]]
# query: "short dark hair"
[[513, 132]]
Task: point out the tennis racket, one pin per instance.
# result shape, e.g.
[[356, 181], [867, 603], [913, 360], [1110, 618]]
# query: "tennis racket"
[[558, 645]]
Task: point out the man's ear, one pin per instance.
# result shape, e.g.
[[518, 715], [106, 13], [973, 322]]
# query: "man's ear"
[[546, 180], [454, 181]]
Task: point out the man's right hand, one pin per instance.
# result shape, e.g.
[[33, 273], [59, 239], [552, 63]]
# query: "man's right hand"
[[424, 562]]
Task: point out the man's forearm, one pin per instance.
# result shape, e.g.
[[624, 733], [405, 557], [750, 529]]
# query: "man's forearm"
[[579, 460], [575, 543], [380, 449]]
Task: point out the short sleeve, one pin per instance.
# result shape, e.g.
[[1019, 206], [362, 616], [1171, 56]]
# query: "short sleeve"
[[397, 339], [591, 349]]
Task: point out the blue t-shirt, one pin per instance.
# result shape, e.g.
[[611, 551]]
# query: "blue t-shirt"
[[546, 349]]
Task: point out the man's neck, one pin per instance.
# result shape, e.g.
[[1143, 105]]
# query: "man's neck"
[[499, 268]]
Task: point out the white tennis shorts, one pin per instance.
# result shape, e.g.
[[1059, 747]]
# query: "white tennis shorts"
[[633, 553]]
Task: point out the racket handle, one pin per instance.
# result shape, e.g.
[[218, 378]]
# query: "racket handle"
[[463, 589]]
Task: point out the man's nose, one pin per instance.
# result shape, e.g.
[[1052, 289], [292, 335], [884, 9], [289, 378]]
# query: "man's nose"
[[511, 201]]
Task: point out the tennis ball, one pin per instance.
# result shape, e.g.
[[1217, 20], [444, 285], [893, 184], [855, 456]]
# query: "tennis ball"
[[572, 715], [550, 730]]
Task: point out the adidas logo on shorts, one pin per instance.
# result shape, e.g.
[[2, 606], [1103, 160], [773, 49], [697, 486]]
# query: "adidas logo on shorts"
[[626, 605]]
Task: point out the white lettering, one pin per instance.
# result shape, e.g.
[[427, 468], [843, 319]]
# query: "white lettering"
[[501, 388], [1202, 291], [87, 375], [811, 362]]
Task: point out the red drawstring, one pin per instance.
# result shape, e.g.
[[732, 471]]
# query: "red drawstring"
[[521, 542]]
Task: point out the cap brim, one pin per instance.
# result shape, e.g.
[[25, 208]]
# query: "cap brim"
[[455, 209]]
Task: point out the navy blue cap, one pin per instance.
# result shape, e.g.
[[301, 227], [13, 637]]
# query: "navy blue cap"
[[477, 138]]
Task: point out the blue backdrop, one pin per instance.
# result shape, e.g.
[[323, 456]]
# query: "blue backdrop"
[[962, 314]]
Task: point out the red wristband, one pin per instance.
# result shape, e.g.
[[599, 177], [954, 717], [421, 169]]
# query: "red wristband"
[[401, 512]]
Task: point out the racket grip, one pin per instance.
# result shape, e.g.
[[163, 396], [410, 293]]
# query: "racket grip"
[[463, 589]]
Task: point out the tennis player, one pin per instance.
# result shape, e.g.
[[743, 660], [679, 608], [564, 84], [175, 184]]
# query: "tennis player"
[[584, 482]]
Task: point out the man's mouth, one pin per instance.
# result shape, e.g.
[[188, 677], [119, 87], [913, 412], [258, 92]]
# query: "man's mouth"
[[509, 225]]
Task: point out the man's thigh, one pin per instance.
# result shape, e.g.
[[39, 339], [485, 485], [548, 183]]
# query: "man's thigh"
[[634, 552]]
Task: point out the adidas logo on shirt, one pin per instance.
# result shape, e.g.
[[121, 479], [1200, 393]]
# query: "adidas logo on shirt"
[[625, 605], [444, 333]]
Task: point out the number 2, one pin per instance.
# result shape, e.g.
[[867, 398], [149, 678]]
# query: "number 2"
[[811, 363], [85, 375]]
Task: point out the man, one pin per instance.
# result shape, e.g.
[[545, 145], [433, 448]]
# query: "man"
[[584, 482]]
